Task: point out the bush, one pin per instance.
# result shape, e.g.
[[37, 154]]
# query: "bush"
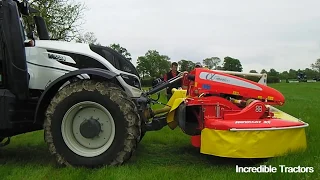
[[273, 79]]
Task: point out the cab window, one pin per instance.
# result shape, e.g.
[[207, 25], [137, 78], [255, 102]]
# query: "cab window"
[[126, 66]]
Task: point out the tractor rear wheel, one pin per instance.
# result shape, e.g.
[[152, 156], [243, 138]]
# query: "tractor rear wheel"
[[92, 124]]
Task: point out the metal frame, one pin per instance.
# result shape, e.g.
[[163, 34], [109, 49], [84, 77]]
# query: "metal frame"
[[270, 129]]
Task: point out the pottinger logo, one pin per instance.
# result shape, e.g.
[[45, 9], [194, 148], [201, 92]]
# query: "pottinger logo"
[[228, 80], [213, 77]]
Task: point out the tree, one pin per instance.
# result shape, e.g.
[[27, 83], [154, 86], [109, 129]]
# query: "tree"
[[232, 64], [311, 73], [284, 75], [292, 74], [263, 71], [88, 38], [143, 67], [211, 62], [186, 65], [273, 72], [153, 64], [62, 17], [316, 65], [121, 50]]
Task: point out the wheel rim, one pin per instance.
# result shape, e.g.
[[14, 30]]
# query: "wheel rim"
[[77, 118]]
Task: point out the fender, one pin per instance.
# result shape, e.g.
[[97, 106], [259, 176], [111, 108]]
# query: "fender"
[[50, 91]]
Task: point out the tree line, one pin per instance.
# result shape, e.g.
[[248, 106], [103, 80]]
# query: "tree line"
[[64, 19], [153, 65]]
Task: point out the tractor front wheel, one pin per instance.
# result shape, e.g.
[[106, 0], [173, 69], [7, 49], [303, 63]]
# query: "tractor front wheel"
[[92, 124]]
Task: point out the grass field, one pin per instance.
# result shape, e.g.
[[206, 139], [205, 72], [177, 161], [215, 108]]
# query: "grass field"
[[168, 154]]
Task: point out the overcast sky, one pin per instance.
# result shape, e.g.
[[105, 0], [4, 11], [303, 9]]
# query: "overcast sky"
[[279, 34]]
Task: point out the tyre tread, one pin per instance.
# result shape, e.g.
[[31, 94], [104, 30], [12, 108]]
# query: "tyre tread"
[[116, 94]]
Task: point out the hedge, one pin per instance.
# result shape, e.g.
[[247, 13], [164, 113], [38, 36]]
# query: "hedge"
[[273, 79]]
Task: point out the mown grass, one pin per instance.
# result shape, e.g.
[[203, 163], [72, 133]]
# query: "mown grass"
[[168, 154]]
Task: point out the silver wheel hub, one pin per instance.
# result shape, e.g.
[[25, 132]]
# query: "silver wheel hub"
[[88, 129]]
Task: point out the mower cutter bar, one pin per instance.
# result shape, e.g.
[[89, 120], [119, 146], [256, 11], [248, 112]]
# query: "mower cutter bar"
[[269, 129]]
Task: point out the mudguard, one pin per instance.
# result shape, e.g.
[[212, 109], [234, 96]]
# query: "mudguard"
[[50, 91]]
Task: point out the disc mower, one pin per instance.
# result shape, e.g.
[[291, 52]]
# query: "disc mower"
[[230, 116]]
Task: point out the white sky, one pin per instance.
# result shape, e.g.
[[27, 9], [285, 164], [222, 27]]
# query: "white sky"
[[280, 34]]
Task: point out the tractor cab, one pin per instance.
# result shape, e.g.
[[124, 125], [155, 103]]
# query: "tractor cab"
[[13, 40], [13, 66]]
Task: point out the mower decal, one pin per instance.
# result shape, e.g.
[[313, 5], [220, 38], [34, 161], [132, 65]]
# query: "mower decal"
[[252, 122], [227, 80], [236, 93], [270, 98], [206, 86], [247, 122]]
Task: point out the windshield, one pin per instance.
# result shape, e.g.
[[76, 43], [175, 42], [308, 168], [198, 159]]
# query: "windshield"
[[116, 59]]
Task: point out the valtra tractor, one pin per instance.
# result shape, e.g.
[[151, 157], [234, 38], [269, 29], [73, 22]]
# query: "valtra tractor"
[[89, 102]]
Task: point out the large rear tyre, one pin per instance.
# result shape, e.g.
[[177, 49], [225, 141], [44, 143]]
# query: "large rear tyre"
[[92, 124]]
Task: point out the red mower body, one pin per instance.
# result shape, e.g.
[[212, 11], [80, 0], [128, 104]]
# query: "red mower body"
[[212, 82], [225, 102]]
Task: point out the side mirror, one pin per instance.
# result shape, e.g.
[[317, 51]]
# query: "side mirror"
[[41, 28]]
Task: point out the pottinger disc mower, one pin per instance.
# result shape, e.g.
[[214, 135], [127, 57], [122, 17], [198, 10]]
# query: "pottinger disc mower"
[[230, 116]]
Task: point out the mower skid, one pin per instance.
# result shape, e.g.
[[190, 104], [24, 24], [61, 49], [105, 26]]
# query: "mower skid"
[[261, 138]]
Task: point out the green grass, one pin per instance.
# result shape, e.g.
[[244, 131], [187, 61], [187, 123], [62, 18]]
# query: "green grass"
[[168, 154]]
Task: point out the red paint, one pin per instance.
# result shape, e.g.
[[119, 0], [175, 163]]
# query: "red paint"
[[221, 87], [196, 141], [229, 114]]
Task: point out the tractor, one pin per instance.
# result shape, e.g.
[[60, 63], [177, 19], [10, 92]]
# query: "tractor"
[[89, 101], [81, 95]]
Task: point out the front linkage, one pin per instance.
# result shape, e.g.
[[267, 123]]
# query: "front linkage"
[[146, 112]]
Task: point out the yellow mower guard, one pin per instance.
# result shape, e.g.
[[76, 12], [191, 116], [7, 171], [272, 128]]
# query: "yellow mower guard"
[[178, 96], [262, 143]]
